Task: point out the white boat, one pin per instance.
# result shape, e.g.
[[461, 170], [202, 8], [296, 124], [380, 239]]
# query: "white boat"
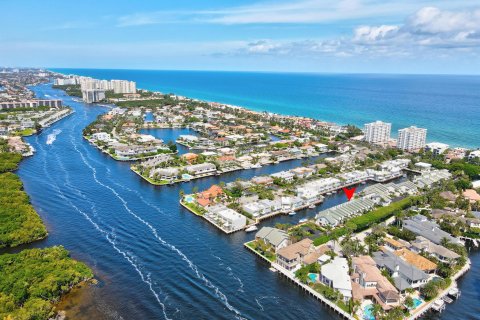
[[312, 206], [251, 228], [256, 166], [272, 269], [329, 193], [292, 213], [303, 220]]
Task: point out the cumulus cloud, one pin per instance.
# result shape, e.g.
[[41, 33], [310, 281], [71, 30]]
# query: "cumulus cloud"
[[425, 31]]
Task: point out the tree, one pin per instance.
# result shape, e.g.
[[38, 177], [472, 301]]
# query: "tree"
[[376, 310], [430, 290], [395, 313], [355, 305], [409, 303]]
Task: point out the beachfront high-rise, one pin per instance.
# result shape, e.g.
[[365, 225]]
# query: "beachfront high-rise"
[[93, 95], [412, 138], [377, 132], [123, 86]]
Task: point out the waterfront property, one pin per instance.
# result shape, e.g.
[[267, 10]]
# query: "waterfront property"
[[430, 230], [404, 275]]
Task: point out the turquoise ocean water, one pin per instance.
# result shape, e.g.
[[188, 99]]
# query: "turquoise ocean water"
[[448, 106]]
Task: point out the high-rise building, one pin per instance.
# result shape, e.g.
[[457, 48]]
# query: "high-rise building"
[[93, 95], [377, 132], [123, 86], [412, 138]]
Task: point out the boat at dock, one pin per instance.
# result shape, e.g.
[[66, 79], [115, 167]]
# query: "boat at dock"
[[454, 292], [303, 220], [251, 228], [292, 213], [272, 269], [312, 206], [438, 305]]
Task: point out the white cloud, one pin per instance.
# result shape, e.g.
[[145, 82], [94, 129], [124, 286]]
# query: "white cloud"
[[285, 12], [428, 32]]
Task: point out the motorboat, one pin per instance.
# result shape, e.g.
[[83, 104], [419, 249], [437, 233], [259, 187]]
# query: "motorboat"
[[303, 220], [251, 228], [292, 213]]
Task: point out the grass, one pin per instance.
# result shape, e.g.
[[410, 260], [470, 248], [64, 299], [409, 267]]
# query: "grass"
[[268, 255], [199, 211]]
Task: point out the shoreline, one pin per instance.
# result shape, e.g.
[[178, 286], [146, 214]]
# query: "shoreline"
[[260, 110]]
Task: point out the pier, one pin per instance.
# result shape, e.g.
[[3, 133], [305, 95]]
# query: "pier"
[[331, 305], [438, 304]]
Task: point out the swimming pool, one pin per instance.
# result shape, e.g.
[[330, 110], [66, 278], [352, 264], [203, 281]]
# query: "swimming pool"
[[313, 277], [189, 199], [416, 302], [367, 312]]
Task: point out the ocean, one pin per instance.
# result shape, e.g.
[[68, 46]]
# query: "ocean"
[[448, 106]]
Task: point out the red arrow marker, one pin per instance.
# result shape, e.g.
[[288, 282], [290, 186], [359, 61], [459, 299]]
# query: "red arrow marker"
[[349, 192]]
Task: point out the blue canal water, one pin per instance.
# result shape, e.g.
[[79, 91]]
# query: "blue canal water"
[[154, 259], [448, 106]]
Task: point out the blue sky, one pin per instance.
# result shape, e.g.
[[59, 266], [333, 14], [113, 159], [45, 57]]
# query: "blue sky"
[[378, 36]]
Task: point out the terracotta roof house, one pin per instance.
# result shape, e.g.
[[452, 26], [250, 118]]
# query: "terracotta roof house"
[[369, 283], [190, 157], [416, 260], [393, 244], [293, 255], [212, 192], [471, 195]]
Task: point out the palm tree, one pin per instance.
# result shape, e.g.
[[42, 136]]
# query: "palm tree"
[[376, 310], [356, 304]]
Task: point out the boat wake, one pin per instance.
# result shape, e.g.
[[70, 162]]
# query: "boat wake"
[[223, 298], [109, 236], [53, 136]]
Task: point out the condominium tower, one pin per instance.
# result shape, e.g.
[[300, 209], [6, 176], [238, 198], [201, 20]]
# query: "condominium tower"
[[412, 138], [377, 132]]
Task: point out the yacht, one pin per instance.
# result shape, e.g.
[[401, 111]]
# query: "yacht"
[[251, 228], [292, 213], [303, 220]]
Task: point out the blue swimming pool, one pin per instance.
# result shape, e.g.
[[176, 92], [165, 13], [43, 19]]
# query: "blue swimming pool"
[[416, 302], [367, 312], [189, 199], [313, 277]]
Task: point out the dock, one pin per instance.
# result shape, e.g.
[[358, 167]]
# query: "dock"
[[331, 305]]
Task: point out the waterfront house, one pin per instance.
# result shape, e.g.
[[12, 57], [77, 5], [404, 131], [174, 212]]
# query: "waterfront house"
[[302, 172], [369, 283], [338, 214], [164, 173], [201, 169], [416, 260], [421, 226], [404, 274], [286, 176], [226, 218], [276, 238], [292, 257], [335, 274], [262, 180], [190, 157], [425, 246], [101, 136]]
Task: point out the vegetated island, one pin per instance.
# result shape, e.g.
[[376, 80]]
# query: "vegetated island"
[[33, 280]]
